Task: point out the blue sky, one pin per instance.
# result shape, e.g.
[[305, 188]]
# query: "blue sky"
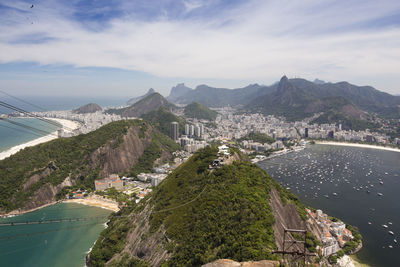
[[122, 48]]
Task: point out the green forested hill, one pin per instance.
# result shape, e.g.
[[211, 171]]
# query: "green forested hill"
[[232, 218], [149, 103], [31, 177], [162, 118], [199, 111], [196, 216]]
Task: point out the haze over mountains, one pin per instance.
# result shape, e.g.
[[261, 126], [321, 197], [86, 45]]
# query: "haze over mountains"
[[147, 103], [295, 98]]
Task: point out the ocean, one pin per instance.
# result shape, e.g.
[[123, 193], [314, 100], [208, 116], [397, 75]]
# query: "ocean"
[[56, 244], [12, 135], [356, 176]]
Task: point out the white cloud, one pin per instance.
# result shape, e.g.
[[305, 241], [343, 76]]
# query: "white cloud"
[[191, 5], [260, 40]]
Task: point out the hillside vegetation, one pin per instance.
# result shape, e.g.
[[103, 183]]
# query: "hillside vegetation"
[[199, 111], [196, 216], [162, 118], [33, 176], [149, 103]]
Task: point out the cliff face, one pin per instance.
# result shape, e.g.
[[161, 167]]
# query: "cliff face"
[[122, 158], [286, 217], [143, 244], [77, 161]]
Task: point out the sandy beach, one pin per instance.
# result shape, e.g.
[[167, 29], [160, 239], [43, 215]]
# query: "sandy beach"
[[65, 123], [96, 201], [358, 145]]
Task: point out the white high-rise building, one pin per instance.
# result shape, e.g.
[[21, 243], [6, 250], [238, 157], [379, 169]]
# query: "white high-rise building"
[[201, 129], [191, 132], [187, 129], [197, 131]]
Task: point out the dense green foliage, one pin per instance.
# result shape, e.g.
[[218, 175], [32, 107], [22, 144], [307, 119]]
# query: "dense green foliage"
[[231, 218], [262, 138], [199, 111], [162, 118], [63, 157], [114, 194]]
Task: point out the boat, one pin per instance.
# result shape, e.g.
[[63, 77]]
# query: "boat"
[[384, 225], [390, 246], [335, 194], [380, 194], [380, 182], [369, 223], [390, 232], [395, 241]]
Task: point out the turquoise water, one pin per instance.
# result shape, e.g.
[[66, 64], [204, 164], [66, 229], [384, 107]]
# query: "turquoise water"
[[56, 244], [13, 135], [345, 182]]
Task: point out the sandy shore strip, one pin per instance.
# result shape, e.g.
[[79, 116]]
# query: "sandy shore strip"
[[95, 202], [357, 145], [65, 123]]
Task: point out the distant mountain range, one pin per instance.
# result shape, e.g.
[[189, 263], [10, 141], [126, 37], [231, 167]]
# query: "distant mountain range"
[[137, 99], [147, 103], [215, 97], [88, 108], [296, 99]]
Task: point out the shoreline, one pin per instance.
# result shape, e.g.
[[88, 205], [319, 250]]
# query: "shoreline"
[[95, 202], [88, 201], [350, 261], [332, 143], [64, 123]]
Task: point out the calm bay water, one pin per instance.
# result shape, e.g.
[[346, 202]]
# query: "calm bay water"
[[356, 176], [57, 244]]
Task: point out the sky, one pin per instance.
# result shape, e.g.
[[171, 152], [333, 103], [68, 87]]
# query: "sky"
[[123, 48]]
